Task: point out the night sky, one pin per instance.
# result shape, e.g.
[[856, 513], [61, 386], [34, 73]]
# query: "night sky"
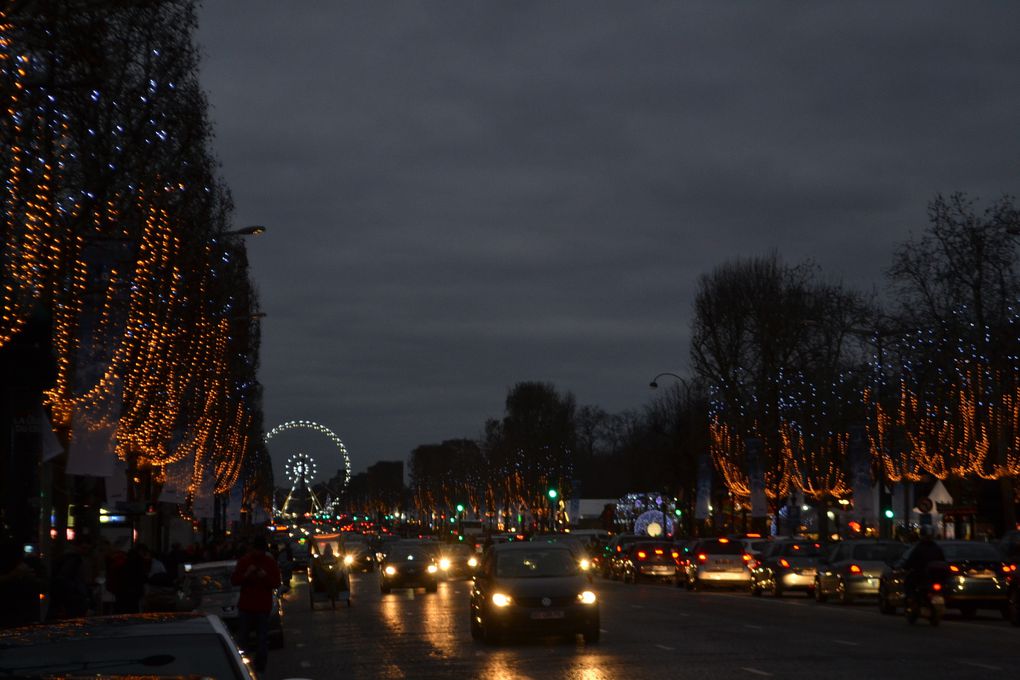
[[464, 195]]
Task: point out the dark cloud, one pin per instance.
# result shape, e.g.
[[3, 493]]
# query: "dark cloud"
[[465, 195]]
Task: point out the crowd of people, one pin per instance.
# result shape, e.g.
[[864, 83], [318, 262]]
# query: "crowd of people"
[[94, 577]]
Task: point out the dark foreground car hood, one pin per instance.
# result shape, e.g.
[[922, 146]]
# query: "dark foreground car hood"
[[542, 586]]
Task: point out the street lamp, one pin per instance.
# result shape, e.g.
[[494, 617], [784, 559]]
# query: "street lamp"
[[654, 385], [253, 230]]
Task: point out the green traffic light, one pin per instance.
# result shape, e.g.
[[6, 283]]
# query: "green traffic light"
[[553, 493], [453, 520], [677, 512], [889, 514], [460, 507]]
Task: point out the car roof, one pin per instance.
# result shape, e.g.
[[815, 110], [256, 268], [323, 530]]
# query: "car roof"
[[124, 625], [527, 545]]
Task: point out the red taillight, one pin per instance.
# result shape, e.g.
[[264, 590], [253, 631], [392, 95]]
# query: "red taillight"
[[747, 558], [641, 554], [658, 551], [953, 568], [675, 554], [936, 587], [854, 569], [724, 540], [784, 564], [702, 557], [618, 548]]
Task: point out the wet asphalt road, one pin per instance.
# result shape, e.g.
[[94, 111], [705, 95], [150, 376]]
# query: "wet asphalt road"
[[649, 631]]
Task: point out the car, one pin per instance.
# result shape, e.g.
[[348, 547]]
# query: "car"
[[612, 564], [136, 645], [717, 562], [532, 588], [652, 560], [789, 564], [573, 543], [1010, 546], [457, 560], [978, 579], [358, 555], [206, 588], [409, 565], [1013, 595], [853, 569]]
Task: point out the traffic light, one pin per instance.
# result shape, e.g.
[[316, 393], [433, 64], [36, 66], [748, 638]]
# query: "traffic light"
[[677, 511], [889, 514], [460, 507], [553, 493]]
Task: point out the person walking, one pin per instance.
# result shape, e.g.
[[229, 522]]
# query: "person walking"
[[258, 576]]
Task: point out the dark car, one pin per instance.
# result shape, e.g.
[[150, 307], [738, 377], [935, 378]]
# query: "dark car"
[[788, 564], [133, 645], [457, 560], [978, 578], [409, 566], [612, 565], [854, 568], [650, 560], [206, 588], [532, 588], [358, 555]]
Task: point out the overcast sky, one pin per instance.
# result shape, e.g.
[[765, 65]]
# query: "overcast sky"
[[464, 195]]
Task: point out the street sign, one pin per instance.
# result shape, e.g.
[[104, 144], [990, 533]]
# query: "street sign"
[[924, 505]]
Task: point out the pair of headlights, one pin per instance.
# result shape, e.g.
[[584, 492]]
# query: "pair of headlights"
[[503, 600], [392, 571]]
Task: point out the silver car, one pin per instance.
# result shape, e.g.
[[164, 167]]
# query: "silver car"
[[717, 562], [787, 565], [854, 569]]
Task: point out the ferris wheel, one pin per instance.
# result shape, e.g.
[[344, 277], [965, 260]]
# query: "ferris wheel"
[[301, 466], [300, 470]]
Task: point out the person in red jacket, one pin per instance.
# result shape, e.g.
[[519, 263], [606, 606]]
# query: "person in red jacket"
[[258, 576]]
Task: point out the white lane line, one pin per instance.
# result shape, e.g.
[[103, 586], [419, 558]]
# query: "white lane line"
[[306, 664], [637, 606], [755, 671], [668, 649], [681, 614], [300, 645], [603, 630], [848, 643], [752, 626], [985, 666]]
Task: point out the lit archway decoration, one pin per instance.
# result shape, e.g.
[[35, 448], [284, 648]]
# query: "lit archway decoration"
[[321, 429]]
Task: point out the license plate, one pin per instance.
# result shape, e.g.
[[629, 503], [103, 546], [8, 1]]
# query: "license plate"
[[938, 600], [551, 614]]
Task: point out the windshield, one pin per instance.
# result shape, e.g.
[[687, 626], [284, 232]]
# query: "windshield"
[[408, 555], [198, 654], [211, 580], [535, 564], [720, 548], [878, 552], [959, 552]]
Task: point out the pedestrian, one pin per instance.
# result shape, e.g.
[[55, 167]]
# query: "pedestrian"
[[70, 586], [258, 576], [130, 581], [20, 587], [286, 563]]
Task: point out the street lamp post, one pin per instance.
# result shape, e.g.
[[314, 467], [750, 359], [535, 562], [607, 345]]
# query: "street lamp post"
[[654, 385]]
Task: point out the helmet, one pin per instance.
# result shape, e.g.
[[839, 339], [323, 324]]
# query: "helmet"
[[927, 532]]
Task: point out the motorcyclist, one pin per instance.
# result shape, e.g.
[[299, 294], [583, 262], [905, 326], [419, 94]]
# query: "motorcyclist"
[[925, 555]]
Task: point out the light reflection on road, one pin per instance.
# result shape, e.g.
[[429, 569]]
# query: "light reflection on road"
[[439, 612]]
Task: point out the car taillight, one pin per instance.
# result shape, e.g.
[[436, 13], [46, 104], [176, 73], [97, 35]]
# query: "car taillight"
[[747, 558], [854, 569], [953, 568], [658, 551], [936, 587], [675, 554], [784, 564], [702, 557], [641, 554]]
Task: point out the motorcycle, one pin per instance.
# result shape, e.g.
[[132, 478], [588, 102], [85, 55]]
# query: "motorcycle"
[[928, 599]]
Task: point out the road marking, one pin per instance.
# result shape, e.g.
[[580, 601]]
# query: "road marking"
[[306, 664], [668, 649], [637, 606], [300, 645], [755, 671], [681, 614], [980, 665], [847, 642], [603, 630], [752, 626]]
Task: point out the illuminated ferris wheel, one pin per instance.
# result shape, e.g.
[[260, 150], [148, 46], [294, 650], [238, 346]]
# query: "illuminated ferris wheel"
[[301, 469]]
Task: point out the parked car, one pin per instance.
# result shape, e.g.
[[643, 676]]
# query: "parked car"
[[854, 568], [135, 645], [717, 562], [654, 560], [978, 579], [789, 564], [532, 588], [206, 588]]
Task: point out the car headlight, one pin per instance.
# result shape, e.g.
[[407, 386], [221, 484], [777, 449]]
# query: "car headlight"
[[390, 570], [585, 565], [432, 568], [501, 600], [587, 597], [472, 562], [444, 564], [348, 560]]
